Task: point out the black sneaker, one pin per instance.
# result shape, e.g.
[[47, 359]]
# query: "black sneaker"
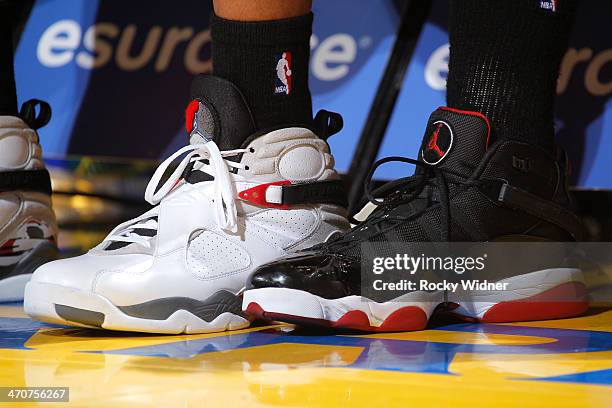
[[465, 189]]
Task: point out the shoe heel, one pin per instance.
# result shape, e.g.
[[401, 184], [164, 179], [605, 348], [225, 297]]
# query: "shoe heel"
[[15, 277], [544, 306], [541, 295]]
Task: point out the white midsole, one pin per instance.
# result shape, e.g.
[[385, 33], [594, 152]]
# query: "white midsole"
[[303, 304], [41, 298], [471, 302], [476, 303]]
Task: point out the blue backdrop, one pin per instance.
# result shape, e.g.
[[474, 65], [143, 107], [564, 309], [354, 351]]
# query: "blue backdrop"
[[117, 76]]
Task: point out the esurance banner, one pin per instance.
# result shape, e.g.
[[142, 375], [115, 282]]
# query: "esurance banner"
[[117, 77]]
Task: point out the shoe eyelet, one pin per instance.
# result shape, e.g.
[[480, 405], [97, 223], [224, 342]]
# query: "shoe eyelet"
[[246, 168], [251, 150]]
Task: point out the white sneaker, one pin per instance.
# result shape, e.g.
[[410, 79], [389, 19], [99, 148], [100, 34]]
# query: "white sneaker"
[[28, 228], [181, 267]]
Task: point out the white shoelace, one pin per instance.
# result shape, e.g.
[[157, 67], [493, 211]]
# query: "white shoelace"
[[224, 198]]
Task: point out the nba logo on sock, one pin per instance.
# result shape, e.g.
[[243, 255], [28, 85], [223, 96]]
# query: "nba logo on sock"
[[282, 84], [549, 5]]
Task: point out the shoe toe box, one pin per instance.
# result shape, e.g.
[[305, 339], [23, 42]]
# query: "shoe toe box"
[[320, 274], [79, 272]]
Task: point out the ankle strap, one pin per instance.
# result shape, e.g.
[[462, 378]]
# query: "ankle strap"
[[550, 211], [25, 180], [284, 195]]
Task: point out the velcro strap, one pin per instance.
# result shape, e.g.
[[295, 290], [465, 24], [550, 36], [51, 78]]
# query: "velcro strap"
[[284, 195], [519, 199], [26, 180]]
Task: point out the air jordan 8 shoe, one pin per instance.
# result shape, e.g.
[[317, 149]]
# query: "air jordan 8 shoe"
[[240, 197], [466, 188], [28, 228]]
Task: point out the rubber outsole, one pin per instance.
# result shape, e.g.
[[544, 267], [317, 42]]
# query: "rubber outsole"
[[539, 307], [407, 313], [541, 295], [410, 318]]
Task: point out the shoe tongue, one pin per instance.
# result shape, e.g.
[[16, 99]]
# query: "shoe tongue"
[[455, 140], [218, 111]]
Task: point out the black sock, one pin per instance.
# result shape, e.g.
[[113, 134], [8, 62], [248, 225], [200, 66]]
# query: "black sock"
[[504, 63], [8, 92], [248, 53]]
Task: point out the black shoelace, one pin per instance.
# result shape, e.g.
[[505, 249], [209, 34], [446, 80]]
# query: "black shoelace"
[[403, 191]]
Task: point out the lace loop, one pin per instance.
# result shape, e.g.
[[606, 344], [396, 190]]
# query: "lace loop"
[[224, 196], [403, 191], [205, 157], [412, 187], [420, 180]]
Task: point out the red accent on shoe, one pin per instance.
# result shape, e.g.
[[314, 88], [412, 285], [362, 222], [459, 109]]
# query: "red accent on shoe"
[[433, 142], [257, 195], [354, 319], [190, 112], [8, 247], [409, 318], [471, 113], [543, 306], [255, 310]]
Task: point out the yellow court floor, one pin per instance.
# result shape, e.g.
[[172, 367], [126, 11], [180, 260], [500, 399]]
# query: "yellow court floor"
[[563, 363]]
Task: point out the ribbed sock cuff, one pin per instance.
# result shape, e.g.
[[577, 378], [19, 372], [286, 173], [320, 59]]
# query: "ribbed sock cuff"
[[268, 61], [504, 63], [270, 33]]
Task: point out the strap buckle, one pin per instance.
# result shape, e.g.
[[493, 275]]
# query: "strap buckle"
[[546, 210], [264, 196]]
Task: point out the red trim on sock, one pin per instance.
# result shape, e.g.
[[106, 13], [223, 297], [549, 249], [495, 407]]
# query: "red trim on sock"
[[471, 113]]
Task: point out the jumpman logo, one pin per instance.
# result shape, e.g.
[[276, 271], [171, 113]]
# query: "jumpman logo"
[[433, 142]]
